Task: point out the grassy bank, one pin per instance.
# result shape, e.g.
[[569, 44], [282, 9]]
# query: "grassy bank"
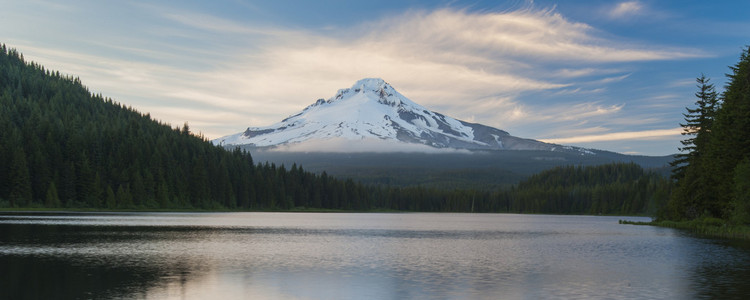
[[705, 227]]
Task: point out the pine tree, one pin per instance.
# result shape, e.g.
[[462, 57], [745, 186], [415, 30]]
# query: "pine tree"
[[85, 181], [200, 193], [124, 198], [52, 199], [698, 124], [20, 191], [137, 189], [98, 192], [185, 129], [741, 201], [162, 196], [695, 194], [67, 184], [111, 200]]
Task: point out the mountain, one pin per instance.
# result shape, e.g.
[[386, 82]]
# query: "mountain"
[[372, 112], [372, 134]]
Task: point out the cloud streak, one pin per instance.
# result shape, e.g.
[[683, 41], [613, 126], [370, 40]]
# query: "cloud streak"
[[617, 136], [626, 9]]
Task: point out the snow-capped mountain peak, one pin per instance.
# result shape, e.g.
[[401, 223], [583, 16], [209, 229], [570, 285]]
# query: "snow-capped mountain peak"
[[374, 89], [372, 110]]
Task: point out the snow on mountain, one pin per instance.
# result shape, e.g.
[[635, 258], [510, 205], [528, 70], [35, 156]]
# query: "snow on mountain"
[[372, 112]]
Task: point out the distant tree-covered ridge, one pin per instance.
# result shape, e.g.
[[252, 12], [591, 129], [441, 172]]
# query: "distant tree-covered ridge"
[[713, 172], [617, 188], [62, 146]]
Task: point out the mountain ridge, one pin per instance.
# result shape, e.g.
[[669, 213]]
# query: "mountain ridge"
[[373, 110]]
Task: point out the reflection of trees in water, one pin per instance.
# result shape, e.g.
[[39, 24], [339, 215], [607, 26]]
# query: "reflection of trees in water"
[[32, 277], [727, 282], [70, 265], [56, 277], [722, 273]]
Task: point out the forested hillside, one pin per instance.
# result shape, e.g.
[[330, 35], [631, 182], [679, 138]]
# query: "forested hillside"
[[617, 188], [607, 189], [61, 146], [478, 170], [713, 172]]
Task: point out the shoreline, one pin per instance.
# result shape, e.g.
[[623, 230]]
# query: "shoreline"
[[291, 210], [706, 227]]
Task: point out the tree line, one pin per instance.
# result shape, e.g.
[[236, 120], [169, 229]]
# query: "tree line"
[[62, 146], [617, 188], [712, 172]]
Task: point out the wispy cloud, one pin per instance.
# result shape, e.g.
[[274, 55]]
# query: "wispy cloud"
[[626, 9], [555, 115], [485, 37], [216, 24], [616, 136], [451, 59]]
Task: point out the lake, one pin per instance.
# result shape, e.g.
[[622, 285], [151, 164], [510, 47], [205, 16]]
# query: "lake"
[[359, 256]]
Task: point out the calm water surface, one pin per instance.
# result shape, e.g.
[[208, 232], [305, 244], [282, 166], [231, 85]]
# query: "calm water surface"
[[359, 256]]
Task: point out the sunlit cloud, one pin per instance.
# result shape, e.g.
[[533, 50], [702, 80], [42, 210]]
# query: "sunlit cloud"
[[449, 59], [626, 9], [486, 37], [576, 112], [610, 79], [579, 72], [578, 91], [616, 136]]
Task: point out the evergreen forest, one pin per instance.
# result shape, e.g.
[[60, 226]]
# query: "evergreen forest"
[[63, 147], [712, 172]]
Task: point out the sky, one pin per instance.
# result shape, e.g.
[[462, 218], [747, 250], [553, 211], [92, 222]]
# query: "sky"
[[610, 75]]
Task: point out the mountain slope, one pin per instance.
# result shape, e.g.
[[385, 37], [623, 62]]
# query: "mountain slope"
[[372, 110]]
